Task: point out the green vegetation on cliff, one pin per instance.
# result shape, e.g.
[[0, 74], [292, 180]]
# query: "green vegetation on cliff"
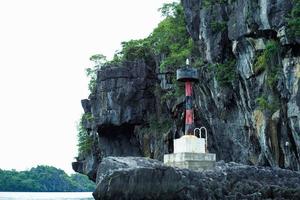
[[268, 61], [218, 26], [225, 72], [84, 140], [171, 39], [91, 72], [265, 104], [43, 179], [208, 3], [294, 20], [169, 44], [263, 60]]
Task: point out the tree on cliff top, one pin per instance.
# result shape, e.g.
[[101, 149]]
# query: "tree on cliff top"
[[169, 41], [171, 38], [98, 59], [91, 72]]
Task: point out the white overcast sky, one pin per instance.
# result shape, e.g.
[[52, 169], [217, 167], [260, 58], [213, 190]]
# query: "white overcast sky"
[[45, 46]]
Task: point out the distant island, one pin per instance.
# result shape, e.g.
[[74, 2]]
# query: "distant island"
[[44, 179]]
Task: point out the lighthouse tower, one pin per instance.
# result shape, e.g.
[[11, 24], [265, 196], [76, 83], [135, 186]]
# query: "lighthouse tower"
[[190, 151]]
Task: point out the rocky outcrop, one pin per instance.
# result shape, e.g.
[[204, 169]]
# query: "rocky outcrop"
[[118, 91], [254, 118], [248, 98], [122, 100], [142, 178]]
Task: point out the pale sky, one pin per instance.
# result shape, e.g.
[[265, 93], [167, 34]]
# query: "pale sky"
[[45, 46]]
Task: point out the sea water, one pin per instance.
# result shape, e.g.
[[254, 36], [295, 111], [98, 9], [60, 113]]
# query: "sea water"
[[46, 196]]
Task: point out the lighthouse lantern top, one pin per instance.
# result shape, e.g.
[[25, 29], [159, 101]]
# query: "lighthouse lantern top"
[[187, 73]]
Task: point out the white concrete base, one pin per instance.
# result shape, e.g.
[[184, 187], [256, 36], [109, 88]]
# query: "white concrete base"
[[193, 161], [189, 143], [189, 153]]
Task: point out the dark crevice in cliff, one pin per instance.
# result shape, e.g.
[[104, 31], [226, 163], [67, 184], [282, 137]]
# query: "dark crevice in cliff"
[[118, 140], [279, 135], [110, 130], [267, 34], [296, 50]]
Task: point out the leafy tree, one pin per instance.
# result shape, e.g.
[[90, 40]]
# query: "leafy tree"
[[98, 59], [170, 38], [169, 41], [91, 72], [136, 49]]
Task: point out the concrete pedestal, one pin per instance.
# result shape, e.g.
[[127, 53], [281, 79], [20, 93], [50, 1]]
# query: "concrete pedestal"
[[189, 153]]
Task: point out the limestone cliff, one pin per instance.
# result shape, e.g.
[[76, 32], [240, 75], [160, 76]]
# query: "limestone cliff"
[[248, 96], [254, 119]]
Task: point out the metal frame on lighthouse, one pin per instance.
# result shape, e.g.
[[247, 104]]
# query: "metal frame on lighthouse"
[[188, 75]]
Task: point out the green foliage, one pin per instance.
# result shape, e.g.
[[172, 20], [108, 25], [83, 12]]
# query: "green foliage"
[[266, 61], [156, 125], [208, 3], [218, 26], [169, 40], [198, 63], [175, 92], [262, 103], [273, 75], [272, 47], [260, 64], [225, 72], [99, 61], [170, 94], [43, 179], [87, 116], [84, 140], [263, 60], [169, 9], [294, 20], [136, 49], [267, 105]]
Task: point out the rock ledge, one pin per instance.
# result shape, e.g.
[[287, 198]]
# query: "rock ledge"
[[143, 178]]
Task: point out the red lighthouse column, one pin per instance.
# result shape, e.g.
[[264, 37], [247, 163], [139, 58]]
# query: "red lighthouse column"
[[189, 114]]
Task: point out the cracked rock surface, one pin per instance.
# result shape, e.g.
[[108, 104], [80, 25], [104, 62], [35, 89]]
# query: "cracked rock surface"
[[142, 178]]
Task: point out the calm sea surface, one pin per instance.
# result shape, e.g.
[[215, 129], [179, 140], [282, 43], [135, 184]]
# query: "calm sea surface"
[[46, 195]]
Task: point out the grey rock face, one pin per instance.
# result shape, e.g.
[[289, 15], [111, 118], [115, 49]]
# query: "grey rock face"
[[239, 129], [123, 99], [86, 105], [123, 94], [142, 178]]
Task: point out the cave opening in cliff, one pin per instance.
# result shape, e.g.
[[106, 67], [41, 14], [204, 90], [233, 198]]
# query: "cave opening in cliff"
[[111, 130], [118, 140], [268, 34]]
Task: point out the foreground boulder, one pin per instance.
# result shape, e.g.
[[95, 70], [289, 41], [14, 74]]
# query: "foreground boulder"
[[142, 178]]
